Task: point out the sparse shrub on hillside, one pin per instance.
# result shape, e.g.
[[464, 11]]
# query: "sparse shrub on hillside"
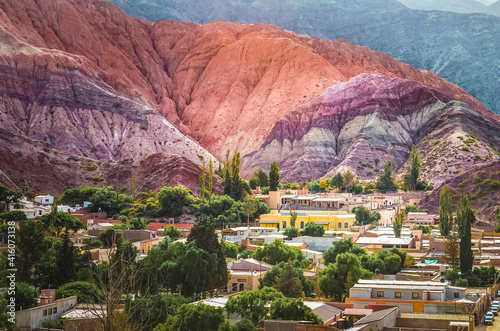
[[46, 149], [466, 149], [425, 142], [463, 182], [91, 167], [460, 137], [144, 127], [478, 157], [477, 180], [460, 171], [495, 185], [437, 142]]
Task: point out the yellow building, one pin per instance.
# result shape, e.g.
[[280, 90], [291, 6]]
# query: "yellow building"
[[331, 220]]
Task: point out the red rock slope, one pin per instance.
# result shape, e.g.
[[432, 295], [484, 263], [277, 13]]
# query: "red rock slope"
[[224, 85]]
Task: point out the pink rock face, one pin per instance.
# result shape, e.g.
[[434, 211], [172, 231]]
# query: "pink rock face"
[[371, 117], [81, 77]]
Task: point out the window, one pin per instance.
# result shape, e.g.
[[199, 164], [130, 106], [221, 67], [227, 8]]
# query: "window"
[[397, 294], [346, 225], [301, 225], [340, 225], [50, 311], [415, 295], [45, 312], [380, 294], [284, 224], [456, 295], [54, 310]]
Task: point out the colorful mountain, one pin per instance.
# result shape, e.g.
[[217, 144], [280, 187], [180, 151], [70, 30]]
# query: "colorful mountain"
[[462, 48], [457, 6], [85, 86]]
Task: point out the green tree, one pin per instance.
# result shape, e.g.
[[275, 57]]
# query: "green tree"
[[465, 218], [274, 177], [227, 183], [66, 260], [413, 171], [198, 317], [348, 179], [276, 252], [358, 188], [230, 250], [105, 199], [452, 249], [269, 279], [147, 312], [293, 217], [253, 305], [13, 216], [210, 177], [338, 182], [9, 197], [172, 201], [244, 325], [288, 283], [31, 246], [26, 296], [250, 206], [137, 224], [337, 278], [204, 236], [263, 178], [445, 211], [385, 182], [341, 247], [111, 237], [462, 282], [393, 264], [363, 216], [375, 217], [85, 291], [291, 233], [203, 180], [397, 224], [172, 232], [313, 230], [59, 223], [254, 182], [293, 310]]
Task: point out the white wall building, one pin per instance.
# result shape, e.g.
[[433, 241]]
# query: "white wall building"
[[44, 199], [34, 317]]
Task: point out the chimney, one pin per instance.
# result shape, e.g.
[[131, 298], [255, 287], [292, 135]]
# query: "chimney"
[[47, 296]]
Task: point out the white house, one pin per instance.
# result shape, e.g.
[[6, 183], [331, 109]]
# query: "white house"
[[44, 199], [51, 309]]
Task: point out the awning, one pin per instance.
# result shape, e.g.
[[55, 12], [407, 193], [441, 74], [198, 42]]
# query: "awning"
[[430, 261]]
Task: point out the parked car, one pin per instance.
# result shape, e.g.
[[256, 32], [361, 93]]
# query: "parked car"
[[488, 319], [495, 303], [494, 310]]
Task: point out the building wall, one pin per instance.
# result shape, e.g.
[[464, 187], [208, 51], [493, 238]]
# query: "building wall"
[[407, 306], [333, 222], [35, 317]]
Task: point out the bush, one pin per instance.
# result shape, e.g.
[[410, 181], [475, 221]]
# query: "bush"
[[144, 127], [86, 292], [91, 167], [462, 282], [495, 185], [466, 149]]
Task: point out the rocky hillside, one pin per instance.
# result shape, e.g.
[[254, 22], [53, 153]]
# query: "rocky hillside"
[[90, 94], [479, 183], [357, 125], [462, 48], [458, 6]]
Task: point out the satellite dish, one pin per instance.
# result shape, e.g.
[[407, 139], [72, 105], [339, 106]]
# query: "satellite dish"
[[442, 280]]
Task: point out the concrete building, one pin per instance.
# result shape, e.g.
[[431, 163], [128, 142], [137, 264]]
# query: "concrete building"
[[44, 199], [319, 244], [419, 218], [386, 242], [49, 309], [409, 296], [330, 220], [244, 274]]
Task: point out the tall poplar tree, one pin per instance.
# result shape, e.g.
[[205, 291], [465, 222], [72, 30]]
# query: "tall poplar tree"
[[210, 177], [397, 224], [445, 211], [413, 170], [203, 179], [452, 249], [465, 218], [384, 181], [274, 177]]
